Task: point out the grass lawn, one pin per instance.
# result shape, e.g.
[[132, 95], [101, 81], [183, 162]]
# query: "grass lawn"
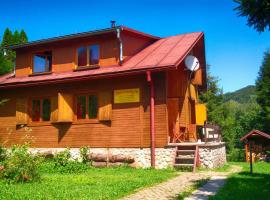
[[244, 186], [106, 183]]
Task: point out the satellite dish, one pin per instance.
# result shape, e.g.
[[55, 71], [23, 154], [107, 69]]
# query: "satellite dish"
[[192, 63]]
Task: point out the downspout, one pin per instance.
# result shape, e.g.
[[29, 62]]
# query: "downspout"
[[152, 117], [118, 33]]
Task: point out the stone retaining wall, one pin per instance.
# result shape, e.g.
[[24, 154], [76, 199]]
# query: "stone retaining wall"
[[212, 155]]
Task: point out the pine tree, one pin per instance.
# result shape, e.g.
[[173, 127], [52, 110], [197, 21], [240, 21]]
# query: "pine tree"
[[23, 37], [7, 38], [8, 54], [5, 65], [257, 13], [263, 91], [16, 38]]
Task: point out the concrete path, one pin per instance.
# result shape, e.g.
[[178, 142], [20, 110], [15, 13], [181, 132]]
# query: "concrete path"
[[209, 189], [173, 187]]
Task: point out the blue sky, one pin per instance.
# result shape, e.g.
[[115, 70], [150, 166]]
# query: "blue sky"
[[233, 50]]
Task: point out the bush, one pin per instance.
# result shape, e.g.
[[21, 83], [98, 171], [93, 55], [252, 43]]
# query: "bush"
[[62, 163], [3, 153], [20, 165], [62, 158], [237, 155], [84, 154]]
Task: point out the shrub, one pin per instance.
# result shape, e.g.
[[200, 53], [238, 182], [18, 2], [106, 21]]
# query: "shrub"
[[3, 153], [62, 158], [20, 165], [69, 167], [84, 154], [237, 155]]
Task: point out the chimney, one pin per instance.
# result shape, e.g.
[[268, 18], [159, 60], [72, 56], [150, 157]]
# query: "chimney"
[[112, 24]]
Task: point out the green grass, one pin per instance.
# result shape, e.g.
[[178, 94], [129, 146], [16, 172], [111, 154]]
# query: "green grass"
[[192, 188], [106, 183], [244, 186]]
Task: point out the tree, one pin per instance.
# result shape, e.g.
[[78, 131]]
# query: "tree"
[[7, 56], [213, 98], [257, 12], [263, 91], [6, 42], [23, 37], [16, 38], [7, 38], [5, 65]]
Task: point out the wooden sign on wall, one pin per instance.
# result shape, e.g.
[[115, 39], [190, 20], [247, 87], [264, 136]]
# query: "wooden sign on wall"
[[127, 95]]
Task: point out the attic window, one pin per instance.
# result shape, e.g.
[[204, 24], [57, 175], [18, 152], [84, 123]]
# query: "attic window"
[[88, 56], [42, 62]]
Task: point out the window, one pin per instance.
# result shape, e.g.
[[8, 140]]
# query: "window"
[[87, 107], [41, 110], [42, 62], [82, 56], [93, 55], [88, 55]]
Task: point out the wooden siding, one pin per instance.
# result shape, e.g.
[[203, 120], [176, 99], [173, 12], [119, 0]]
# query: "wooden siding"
[[129, 125], [64, 54]]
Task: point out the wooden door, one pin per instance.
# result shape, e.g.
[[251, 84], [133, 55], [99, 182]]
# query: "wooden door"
[[173, 117]]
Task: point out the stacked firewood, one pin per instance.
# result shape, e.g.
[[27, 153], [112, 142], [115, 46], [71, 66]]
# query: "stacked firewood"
[[108, 160]]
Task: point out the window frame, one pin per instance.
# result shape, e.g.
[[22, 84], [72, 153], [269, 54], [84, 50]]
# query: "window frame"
[[88, 65], [30, 109], [33, 62], [87, 119]]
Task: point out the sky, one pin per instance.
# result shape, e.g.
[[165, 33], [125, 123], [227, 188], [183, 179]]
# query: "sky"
[[234, 51]]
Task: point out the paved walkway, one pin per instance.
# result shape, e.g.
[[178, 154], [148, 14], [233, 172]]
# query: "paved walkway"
[[171, 188], [209, 189]]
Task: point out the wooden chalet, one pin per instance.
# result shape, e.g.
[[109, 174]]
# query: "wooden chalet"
[[113, 88]]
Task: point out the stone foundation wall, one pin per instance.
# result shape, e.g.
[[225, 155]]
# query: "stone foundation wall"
[[142, 156], [212, 155]]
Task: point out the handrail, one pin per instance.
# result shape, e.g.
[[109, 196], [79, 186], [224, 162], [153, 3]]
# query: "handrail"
[[196, 161]]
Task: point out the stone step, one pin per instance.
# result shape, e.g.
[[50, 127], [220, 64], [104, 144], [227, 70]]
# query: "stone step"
[[185, 151], [183, 165], [189, 147], [179, 157]]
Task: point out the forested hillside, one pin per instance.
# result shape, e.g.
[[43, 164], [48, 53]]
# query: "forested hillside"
[[243, 95]]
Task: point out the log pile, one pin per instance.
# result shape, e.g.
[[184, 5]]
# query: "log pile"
[[108, 160]]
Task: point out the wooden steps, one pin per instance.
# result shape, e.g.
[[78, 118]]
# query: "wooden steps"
[[186, 157]]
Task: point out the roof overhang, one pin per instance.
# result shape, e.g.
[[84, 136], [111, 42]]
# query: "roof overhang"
[[255, 133], [83, 78]]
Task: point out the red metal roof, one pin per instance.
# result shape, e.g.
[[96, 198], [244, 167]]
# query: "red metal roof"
[[255, 132], [165, 53]]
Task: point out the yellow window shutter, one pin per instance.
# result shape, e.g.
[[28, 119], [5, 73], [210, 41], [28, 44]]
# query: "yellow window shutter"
[[21, 111], [65, 107], [105, 106], [201, 115], [54, 108]]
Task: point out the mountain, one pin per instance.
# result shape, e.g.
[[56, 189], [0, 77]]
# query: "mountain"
[[243, 95]]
